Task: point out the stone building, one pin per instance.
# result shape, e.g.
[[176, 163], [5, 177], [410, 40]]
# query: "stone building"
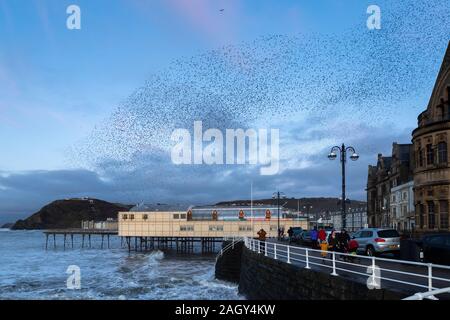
[[389, 173], [432, 168]]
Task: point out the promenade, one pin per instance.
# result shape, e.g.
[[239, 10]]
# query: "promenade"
[[397, 275]]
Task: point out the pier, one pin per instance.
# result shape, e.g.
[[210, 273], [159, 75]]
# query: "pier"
[[180, 244], [83, 233]]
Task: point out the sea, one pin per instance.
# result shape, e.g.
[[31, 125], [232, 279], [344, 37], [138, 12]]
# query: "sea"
[[29, 271]]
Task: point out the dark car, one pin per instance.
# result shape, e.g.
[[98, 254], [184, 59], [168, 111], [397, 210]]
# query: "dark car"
[[436, 248], [296, 234], [306, 237]]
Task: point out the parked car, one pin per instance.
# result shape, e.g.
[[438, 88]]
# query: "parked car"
[[436, 248], [374, 241], [305, 237], [296, 234]]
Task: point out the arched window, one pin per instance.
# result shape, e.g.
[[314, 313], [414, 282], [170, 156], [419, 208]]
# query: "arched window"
[[442, 152]]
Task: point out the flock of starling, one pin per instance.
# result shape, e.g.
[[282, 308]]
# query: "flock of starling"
[[357, 77]]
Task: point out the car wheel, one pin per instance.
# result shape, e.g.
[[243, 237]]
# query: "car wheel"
[[370, 251]]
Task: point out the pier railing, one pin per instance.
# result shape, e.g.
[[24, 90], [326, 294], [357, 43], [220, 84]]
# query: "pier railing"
[[229, 246], [377, 272]]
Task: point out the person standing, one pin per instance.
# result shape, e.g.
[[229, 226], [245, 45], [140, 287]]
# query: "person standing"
[[352, 249], [262, 239], [314, 238], [322, 236], [290, 234], [343, 239], [332, 241], [322, 240]]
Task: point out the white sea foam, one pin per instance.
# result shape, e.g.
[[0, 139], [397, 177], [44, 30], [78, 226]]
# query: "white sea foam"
[[28, 271]]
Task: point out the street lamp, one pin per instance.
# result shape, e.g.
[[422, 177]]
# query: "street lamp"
[[307, 207], [343, 158], [278, 195]]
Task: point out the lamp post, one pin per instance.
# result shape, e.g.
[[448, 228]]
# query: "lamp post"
[[343, 158], [278, 195], [307, 207]]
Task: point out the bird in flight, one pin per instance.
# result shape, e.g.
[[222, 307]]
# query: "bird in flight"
[[221, 10]]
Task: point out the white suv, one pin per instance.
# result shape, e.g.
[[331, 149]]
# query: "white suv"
[[375, 241]]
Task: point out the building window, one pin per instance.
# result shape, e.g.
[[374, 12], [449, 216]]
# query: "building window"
[[420, 210], [187, 228], [431, 217], [404, 196], [125, 217], [430, 154], [273, 228], [131, 216], [420, 154], [443, 214], [215, 228], [145, 216], [245, 228], [183, 216], [404, 211], [176, 216], [442, 152]]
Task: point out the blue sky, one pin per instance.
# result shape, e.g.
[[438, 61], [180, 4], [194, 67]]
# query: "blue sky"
[[326, 78]]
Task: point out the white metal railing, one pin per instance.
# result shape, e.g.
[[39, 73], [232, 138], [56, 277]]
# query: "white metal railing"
[[428, 295], [426, 276], [229, 246]]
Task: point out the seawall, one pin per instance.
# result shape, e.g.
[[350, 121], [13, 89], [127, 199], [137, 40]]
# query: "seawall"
[[264, 278], [228, 266]]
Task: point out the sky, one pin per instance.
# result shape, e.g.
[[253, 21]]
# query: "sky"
[[90, 112]]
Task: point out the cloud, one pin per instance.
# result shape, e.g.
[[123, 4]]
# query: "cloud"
[[151, 176]]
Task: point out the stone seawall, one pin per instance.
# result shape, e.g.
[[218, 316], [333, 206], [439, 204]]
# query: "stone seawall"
[[228, 266], [264, 278]]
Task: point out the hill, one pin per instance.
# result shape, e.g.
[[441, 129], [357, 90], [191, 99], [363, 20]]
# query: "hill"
[[69, 213]]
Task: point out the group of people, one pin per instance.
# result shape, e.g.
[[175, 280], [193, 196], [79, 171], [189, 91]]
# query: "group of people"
[[336, 241], [341, 242]]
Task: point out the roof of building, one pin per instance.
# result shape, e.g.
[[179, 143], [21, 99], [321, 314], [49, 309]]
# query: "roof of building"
[[403, 151], [158, 207], [235, 207], [442, 71]]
